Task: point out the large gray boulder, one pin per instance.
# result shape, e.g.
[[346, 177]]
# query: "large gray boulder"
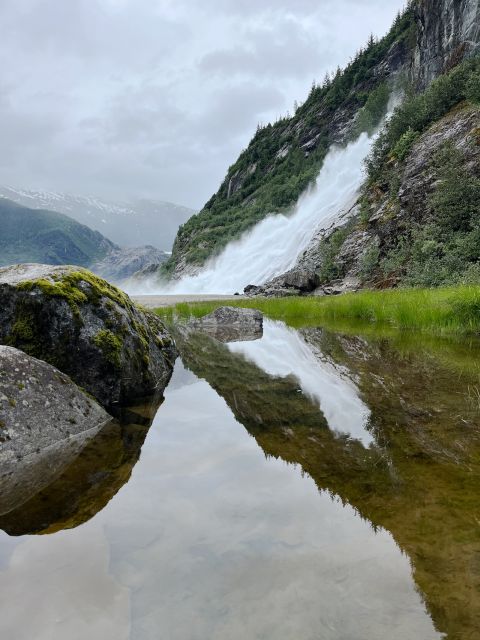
[[45, 420], [88, 329]]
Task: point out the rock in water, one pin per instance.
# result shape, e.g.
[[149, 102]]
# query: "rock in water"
[[45, 419], [232, 324], [88, 329]]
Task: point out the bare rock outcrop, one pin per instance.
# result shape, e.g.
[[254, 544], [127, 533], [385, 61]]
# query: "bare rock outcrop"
[[447, 32]]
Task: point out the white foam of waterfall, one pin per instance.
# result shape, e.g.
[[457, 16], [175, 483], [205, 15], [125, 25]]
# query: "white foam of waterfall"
[[283, 352]]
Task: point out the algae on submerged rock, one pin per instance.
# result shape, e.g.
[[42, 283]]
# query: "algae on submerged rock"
[[88, 329]]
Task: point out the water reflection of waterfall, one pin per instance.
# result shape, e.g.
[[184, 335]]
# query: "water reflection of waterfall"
[[283, 352]]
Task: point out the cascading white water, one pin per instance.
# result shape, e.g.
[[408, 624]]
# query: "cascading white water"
[[273, 246]]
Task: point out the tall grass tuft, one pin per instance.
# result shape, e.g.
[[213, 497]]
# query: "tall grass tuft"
[[453, 310]]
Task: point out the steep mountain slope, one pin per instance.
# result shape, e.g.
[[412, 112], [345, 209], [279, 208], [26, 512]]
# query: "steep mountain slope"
[[29, 235], [417, 221], [126, 223], [284, 158], [432, 37]]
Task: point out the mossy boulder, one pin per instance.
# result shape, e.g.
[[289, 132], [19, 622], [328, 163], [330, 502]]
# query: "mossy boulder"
[[88, 329]]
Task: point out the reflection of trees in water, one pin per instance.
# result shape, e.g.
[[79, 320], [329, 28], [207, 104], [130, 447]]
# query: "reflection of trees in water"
[[421, 482], [87, 481]]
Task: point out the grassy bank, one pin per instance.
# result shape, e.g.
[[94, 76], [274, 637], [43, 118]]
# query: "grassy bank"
[[448, 311]]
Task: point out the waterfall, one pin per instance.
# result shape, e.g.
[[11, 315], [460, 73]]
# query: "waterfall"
[[274, 245]]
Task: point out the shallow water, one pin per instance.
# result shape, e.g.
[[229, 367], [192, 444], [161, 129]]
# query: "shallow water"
[[307, 485]]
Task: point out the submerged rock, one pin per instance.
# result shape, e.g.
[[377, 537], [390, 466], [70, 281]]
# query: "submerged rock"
[[88, 329], [231, 324], [45, 419]]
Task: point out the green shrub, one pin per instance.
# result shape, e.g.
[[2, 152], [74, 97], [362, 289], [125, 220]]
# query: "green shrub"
[[456, 200], [329, 249], [473, 88], [404, 145], [369, 262], [374, 110]]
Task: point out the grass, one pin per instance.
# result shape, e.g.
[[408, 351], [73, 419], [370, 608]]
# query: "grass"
[[445, 311]]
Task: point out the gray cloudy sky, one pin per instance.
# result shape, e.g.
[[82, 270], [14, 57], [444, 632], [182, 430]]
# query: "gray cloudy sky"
[[156, 98]]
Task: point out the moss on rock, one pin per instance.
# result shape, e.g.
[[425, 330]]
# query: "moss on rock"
[[88, 329], [110, 345]]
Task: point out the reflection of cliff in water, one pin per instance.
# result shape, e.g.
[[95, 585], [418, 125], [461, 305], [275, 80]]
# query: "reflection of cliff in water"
[[84, 479], [421, 479]]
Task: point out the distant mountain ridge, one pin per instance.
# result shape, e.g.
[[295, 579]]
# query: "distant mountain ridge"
[[48, 237], [129, 224], [28, 235]]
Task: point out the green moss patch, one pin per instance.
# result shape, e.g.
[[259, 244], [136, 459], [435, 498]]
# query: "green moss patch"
[[68, 287], [110, 346]]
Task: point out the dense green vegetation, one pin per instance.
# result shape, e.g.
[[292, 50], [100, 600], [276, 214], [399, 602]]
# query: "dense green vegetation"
[[418, 112], [31, 235], [285, 157], [439, 243], [445, 249], [454, 310]]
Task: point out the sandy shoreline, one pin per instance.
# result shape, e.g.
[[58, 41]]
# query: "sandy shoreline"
[[155, 301]]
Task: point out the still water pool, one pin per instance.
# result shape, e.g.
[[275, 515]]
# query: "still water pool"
[[308, 485]]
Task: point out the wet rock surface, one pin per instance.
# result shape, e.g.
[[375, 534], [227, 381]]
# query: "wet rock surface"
[[85, 475], [45, 419], [448, 30], [88, 329]]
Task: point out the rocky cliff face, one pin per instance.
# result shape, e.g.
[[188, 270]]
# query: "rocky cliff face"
[[448, 30], [399, 206]]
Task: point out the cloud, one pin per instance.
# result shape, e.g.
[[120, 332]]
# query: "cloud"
[[266, 51], [155, 99]]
